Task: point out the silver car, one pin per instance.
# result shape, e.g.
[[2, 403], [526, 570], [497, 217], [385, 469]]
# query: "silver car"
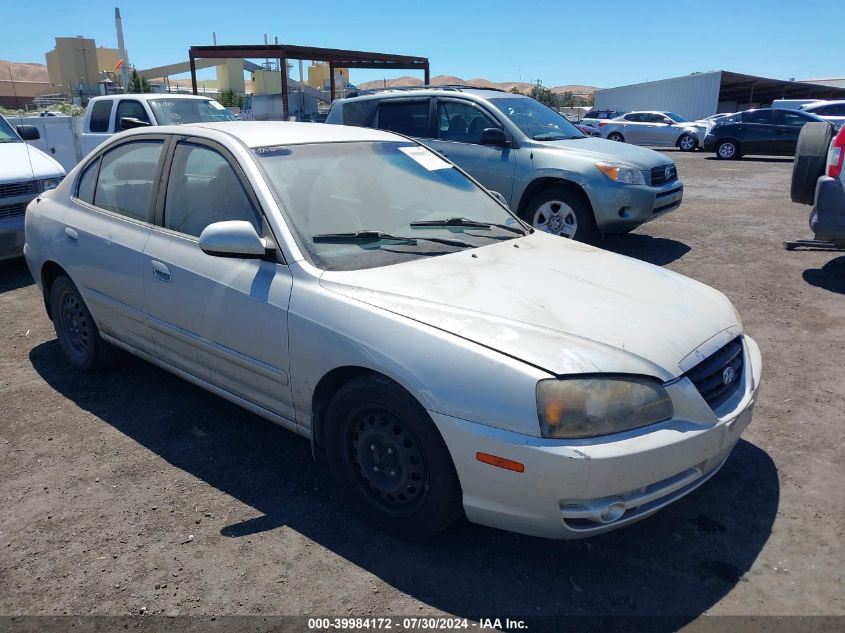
[[356, 288], [665, 129], [552, 175]]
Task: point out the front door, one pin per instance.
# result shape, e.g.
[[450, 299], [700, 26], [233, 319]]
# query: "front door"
[[223, 320], [758, 133]]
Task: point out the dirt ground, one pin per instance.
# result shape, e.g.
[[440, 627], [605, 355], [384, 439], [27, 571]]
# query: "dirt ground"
[[133, 491]]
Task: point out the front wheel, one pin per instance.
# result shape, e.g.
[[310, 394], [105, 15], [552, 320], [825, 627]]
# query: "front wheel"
[[388, 459], [687, 143], [727, 150], [560, 211]]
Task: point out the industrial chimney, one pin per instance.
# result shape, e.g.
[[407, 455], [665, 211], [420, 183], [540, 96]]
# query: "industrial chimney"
[[124, 68]]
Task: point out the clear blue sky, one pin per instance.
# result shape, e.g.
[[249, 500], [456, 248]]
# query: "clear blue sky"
[[601, 42]]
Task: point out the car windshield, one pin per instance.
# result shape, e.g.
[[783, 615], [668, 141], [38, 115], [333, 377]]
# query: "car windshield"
[[677, 118], [7, 134], [537, 121], [179, 111], [368, 204]]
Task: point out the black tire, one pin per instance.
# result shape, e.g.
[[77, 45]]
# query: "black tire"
[[388, 460], [687, 143], [728, 150], [616, 136], [76, 331], [810, 161], [579, 208]]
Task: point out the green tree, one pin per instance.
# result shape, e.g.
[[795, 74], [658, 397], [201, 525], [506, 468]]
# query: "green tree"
[[515, 90], [544, 95], [138, 84]]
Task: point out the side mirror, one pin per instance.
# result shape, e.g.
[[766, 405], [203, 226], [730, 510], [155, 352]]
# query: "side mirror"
[[493, 136], [28, 132], [128, 123], [498, 197], [232, 238]]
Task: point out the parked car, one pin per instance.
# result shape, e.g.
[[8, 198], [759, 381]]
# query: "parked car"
[[108, 115], [553, 176], [654, 128], [593, 117], [768, 131], [25, 172], [588, 130], [355, 287], [791, 104], [831, 111], [818, 179]]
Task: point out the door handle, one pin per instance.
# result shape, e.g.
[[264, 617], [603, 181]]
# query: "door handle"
[[160, 271], [71, 235]]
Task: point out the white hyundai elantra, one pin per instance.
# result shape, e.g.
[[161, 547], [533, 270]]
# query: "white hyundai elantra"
[[358, 289]]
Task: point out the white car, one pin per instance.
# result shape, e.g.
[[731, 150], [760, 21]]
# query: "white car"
[[833, 111], [360, 290]]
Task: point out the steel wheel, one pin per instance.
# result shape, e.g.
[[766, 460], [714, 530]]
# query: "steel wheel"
[[687, 143], [76, 327], [726, 150], [556, 217], [391, 462]]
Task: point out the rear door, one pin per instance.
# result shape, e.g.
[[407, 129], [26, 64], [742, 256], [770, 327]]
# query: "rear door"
[[634, 127], [220, 319], [458, 127], [788, 124], [759, 135], [411, 117]]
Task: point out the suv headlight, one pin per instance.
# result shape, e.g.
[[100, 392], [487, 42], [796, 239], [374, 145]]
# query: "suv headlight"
[[622, 174], [48, 183], [586, 407]]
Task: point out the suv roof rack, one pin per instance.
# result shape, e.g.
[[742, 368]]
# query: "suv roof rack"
[[455, 87]]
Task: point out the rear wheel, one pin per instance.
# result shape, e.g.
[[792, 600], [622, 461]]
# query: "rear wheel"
[[727, 150], [687, 143], [561, 211], [616, 136], [76, 331], [810, 161], [388, 459]]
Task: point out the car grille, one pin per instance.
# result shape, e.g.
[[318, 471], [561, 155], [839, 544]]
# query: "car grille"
[[658, 175], [12, 210], [18, 189], [709, 375]]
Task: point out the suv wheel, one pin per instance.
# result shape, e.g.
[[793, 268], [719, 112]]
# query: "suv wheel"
[[727, 150], [560, 211], [616, 136], [687, 143]]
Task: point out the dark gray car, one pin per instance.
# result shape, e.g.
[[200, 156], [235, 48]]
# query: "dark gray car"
[[551, 174]]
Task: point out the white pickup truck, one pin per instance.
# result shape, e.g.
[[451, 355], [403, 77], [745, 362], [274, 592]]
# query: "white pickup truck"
[[108, 115]]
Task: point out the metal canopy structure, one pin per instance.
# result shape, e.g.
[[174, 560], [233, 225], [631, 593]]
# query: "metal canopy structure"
[[336, 58], [747, 90]]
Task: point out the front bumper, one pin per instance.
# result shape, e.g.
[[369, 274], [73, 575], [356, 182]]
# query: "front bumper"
[[709, 144], [620, 208], [11, 236], [577, 488], [827, 219]]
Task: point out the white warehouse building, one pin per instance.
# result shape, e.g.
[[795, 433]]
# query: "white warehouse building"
[[699, 95]]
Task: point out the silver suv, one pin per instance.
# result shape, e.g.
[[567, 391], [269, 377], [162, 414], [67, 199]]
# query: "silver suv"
[[552, 175]]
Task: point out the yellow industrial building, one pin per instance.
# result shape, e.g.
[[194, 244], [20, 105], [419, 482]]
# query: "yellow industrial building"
[[77, 65]]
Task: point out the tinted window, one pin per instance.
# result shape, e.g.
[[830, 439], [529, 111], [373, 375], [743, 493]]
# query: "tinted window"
[[757, 116], [131, 109], [100, 114], [125, 184], [359, 112], [87, 181], [793, 118], [461, 122], [405, 117], [636, 118], [203, 189]]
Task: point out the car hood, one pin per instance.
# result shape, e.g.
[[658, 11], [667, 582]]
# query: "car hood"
[[562, 306], [600, 149], [22, 162]]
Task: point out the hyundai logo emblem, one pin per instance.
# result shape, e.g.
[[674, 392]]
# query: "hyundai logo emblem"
[[669, 172], [728, 375]]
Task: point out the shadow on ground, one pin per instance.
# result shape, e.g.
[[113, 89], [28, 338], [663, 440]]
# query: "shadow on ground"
[[831, 276], [654, 250], [678, 563], [760, 159], [14, 274]]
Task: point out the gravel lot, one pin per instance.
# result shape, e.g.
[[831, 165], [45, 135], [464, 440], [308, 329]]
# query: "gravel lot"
[[134, 490]]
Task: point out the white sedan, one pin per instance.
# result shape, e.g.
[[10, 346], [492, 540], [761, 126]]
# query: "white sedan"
[[358, 289]]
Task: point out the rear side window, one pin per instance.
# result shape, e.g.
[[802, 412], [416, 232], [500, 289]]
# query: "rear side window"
[[359, 112], [127, 176], [405, 117], [87, 182], [757, 116], [793, 118], [100, 114]]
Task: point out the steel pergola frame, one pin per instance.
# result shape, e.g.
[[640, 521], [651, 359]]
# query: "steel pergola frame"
[[336, 58]]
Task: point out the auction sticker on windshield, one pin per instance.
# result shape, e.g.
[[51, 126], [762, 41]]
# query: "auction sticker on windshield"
[[424, 157]]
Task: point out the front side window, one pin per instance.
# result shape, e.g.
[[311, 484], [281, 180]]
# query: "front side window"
[[7, 134], [203, 189], [127, 175], [329, 192], [404, 117], [131, 109], [537, 121], [180, 111], [461, 122], [677, 118], [100, 114]]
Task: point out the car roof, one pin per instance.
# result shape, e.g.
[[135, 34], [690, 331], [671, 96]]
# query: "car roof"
[[150, 95], [424, 91], [818, 104], [267, 133]]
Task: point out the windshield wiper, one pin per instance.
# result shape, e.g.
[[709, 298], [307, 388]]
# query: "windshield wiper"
[[379, 236], [472, 224], [549, 137]]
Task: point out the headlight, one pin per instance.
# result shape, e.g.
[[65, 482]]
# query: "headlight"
[[622, 174], [587, 407], [48, 183]]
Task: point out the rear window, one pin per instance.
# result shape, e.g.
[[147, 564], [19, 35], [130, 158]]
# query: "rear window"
[[100, 114]]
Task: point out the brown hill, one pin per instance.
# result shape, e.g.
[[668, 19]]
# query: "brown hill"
[[440, 80], [23, 71]]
